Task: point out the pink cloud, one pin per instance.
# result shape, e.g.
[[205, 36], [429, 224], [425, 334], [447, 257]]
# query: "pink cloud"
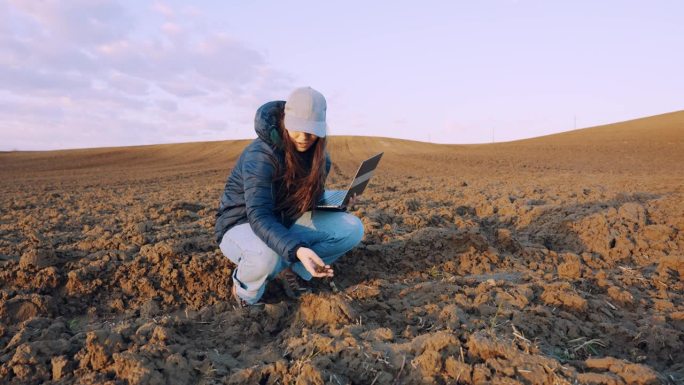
[[81, 64]]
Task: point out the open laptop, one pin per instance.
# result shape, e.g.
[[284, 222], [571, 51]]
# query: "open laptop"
[[337, 199]]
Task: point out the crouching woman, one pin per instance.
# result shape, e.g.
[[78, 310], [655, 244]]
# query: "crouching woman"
[[266, 223]]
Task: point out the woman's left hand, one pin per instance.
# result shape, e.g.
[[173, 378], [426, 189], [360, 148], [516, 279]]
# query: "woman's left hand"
[[313, 263], [352, 201]]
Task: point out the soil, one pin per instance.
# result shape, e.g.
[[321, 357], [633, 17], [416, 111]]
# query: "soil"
[[556, 260]]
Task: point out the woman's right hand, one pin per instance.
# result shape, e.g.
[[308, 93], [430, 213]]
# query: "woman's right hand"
[[313, 263]]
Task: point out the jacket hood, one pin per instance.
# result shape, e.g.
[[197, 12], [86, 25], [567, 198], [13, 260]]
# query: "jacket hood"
[[266, 122]]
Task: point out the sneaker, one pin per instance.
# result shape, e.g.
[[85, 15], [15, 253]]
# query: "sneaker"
[[241, 303], [293, 285]]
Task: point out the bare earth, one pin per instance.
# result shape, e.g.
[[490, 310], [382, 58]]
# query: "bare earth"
[[547, 261]]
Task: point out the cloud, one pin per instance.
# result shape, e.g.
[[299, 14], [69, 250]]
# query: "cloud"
[[150, 77], [21, 80], [127, 84], [162, 9], [167, 105], [172, 29], [76, 21]]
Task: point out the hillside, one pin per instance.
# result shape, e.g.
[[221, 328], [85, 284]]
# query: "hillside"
[[654, 144]]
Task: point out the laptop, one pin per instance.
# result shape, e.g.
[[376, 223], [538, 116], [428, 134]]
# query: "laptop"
[[337, 199]]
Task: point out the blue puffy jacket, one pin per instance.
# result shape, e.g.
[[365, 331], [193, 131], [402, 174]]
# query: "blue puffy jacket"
[[250, 192]]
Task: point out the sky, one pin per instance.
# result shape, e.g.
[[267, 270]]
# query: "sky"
[[100, 73]]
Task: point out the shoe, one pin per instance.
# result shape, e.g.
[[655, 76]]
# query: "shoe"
[[241, 303], [293, 285]]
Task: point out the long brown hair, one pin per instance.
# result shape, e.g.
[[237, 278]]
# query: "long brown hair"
[[301, 184]]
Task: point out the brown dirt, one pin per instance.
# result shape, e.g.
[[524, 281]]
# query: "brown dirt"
[[547, 261]]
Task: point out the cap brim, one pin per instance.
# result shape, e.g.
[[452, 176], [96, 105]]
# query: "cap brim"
[[293, 123]]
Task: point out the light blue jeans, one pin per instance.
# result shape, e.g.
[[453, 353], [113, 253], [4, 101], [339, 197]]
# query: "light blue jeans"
[[329, 233]]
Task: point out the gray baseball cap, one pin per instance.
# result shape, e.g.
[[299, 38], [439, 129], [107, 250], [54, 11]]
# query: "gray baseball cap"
[[305, 112]]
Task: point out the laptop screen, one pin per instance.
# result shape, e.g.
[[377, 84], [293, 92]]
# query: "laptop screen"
[[363, 175]]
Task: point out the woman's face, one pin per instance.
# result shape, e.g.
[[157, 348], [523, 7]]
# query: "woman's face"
[[302, 140]]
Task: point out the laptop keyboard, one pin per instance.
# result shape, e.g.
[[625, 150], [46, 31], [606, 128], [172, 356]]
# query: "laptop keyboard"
[[335, 197]]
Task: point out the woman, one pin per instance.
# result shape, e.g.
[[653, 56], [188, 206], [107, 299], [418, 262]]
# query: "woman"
[[266, 223]]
